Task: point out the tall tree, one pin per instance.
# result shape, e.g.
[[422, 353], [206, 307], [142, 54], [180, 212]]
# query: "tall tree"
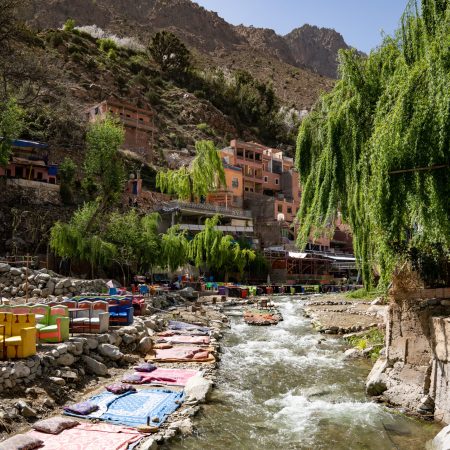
[[103, 161], [169, 52], [175, 248], [11, 125], [213, 249], [203, 175], [377, 148]]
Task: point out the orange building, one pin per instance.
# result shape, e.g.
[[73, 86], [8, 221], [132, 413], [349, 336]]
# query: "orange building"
[[138, 124], [253, 170]]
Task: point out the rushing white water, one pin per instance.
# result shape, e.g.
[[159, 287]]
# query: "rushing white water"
[[288, 387]]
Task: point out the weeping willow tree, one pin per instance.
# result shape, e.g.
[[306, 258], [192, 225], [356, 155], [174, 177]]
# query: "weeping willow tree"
[[204, 174], [175, 248], [71, 240], [217, 251], [377, 148]]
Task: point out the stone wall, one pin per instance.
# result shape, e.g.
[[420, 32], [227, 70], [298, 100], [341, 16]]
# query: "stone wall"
[[414, 371], [88, 354], [42, 283]]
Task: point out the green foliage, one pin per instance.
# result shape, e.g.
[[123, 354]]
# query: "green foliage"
[[103, 160], [69, 25], [364, 294], [106, 44], [175, 248], [205, 174], [388, 112], [205, 128], [217, 251], [11, 126], [67, 170], [249, 102], [127, 239], [169, 53], [76, 240], [372, 339]]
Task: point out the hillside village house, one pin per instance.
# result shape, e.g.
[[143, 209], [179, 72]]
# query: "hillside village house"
[[137, 122], [29, 163]]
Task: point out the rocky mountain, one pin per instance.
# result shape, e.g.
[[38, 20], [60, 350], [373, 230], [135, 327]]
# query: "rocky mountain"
[[308, 47]]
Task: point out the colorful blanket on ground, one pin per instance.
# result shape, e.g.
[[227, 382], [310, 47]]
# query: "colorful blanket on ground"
[[87, 436], [133, 408], [173, 377], [176, 325], [186, 339], [182, 353]]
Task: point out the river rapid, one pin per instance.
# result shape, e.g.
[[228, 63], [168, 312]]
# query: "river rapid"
[[289, 387]]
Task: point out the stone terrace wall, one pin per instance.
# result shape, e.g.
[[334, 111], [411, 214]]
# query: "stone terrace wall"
[[414, 373], [92, 354], [42, 283]]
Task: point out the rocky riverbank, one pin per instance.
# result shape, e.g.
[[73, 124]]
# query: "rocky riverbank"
[[38, 387]]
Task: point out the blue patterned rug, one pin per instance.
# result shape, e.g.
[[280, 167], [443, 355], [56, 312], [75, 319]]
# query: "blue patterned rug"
[[133, 408]]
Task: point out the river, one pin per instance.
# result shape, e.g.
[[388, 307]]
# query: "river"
[[289, 387]]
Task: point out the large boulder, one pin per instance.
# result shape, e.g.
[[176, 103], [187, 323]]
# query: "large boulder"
[[441, 440], [110, 351], [197, 388], [4, 268], [93, 366], [376, 381]]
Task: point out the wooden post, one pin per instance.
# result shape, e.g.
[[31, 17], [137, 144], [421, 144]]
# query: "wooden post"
[[26, 278]]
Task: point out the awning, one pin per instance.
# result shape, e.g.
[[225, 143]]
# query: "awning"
[[297, 255]]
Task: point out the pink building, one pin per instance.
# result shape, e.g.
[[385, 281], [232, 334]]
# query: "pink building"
[[29, 161]]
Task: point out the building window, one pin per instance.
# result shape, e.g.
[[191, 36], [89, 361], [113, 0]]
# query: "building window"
[[289, 210], [280, 208], [277, 181], [235, 182], [265, 179], [128, 115]]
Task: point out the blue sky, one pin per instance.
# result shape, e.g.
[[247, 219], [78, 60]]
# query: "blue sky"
[[359, 21]]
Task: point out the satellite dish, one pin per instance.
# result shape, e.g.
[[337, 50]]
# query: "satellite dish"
[[280, 217]]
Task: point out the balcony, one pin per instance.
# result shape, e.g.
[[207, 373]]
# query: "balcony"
[[211, 209]]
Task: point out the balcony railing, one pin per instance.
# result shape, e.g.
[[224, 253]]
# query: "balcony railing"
[[228, 211]]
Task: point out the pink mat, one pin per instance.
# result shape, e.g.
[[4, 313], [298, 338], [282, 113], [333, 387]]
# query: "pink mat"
[[200, 340], [87, 436], [174, 377], [177, 352]]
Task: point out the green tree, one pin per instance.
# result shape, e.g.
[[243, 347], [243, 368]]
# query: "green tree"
[[211, 248], [169, 53], [103, 161], [11, 126], [67, 171], [79, 239], [377, 148], [175, 248], [204, 174]]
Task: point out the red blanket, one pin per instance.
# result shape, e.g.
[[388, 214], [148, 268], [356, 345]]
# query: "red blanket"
[[87, 436]]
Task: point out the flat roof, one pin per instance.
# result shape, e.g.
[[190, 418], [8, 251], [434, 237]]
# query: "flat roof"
[[26, 144]]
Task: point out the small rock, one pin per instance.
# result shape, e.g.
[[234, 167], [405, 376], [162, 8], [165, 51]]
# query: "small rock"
[[25, 410], [57, 380], [145, 345], [66, 360]]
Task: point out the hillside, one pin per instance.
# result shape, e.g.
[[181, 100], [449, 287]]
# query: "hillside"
[[308, 54]]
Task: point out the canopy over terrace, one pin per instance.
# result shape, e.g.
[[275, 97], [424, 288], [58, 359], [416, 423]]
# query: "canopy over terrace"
[[308, 267]]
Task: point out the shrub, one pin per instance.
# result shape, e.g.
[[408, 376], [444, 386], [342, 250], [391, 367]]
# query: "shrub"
[[107, 44], [69, 25]]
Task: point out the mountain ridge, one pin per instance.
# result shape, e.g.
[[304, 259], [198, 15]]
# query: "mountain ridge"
[[307, 47]]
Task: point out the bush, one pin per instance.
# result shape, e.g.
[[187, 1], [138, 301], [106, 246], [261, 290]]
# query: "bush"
[[69, 25], [206, 129], [106, 44], [364, 294]]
